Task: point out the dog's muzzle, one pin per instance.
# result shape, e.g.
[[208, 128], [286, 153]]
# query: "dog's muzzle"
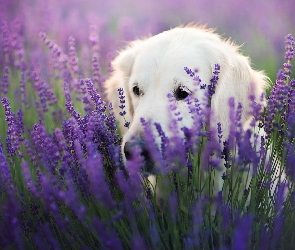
[[144, 152]]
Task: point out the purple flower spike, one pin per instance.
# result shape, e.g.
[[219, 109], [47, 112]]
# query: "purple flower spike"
[[73, 59], [122, 106], [5, 39], [72, 111], [189, 72], [108, 237], [289, 55], [99, 104], [85, 97], [213, 81], [242, 232], [5, 84], [23, 90], [27, 176], [99, 186], [5, 175], [15, 128]]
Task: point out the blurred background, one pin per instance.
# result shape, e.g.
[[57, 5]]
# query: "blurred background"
[[260, 25]]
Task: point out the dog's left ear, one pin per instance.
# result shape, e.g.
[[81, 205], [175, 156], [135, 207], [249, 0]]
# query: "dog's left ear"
[[237, 79], [122, 68]]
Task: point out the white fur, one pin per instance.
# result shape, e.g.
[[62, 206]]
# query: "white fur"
[[158, 62]]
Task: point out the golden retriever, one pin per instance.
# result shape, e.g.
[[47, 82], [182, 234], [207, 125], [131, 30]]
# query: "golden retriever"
[[150, 69]]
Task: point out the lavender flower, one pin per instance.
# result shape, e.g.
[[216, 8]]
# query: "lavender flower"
[[99, 186], [58, 57], [15, 128], [27, 176], [5, 40], [189, 72], [47, 238], [95, 97], [72, 111], [154, 161], [85, 97], [289, 47], [278, 98], [5, 175], [122, 106], [73, 59], [5, 84], [242, 233], [97, 76], [23, 90], [108, 237], [213, 81], [138, 243], [197, 80]]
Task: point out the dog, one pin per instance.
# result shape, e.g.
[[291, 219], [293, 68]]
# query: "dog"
[[149, 69]]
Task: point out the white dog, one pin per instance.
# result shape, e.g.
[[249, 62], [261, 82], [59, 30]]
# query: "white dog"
[[151, 68]]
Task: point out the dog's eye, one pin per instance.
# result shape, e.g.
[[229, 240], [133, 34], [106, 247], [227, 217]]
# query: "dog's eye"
[[181, 93], [136, 90]]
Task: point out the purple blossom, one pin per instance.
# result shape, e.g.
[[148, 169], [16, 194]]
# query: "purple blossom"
[[219, 131], [138, 243], [28, 180], [10, 221], [72, 111], [107, 236], [99, 104], [277, 231], [46, 95], [15, 128], [281, 94], [46, 237], [97, 76], [5, 40], [73, 59], [173, 207], [23, 90], [189, 72], [122, 106], [242, 233], [213, 81], [154, 161], [5, 84], [99, 187], [47, 150], [5, 174], [85, 97], [290, 161], [289, 47], [58, 57], [197, 80]]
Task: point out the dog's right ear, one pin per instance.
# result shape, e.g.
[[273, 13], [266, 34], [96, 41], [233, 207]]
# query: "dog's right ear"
[[122, 68]]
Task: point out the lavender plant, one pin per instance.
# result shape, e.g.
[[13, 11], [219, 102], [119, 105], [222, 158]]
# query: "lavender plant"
[[63, 183]]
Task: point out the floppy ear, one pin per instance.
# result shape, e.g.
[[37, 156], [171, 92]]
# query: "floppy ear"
[[122, 68], [237, 79]]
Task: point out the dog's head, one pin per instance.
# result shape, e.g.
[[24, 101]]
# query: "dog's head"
[[152, 68]]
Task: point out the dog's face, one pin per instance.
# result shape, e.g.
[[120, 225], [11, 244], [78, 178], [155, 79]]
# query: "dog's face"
[[150, 69], [158, 71]]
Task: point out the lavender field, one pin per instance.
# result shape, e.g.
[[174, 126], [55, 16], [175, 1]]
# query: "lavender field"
[[63, 182]]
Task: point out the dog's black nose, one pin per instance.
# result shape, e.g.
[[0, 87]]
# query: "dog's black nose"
[[128, 148]]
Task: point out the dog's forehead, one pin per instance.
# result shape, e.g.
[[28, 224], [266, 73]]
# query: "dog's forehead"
[[164, 63]]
